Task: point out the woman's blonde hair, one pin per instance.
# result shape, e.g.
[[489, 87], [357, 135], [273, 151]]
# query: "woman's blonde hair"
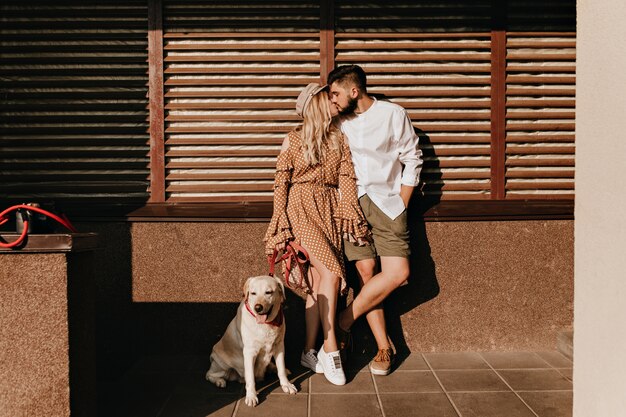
[[318, 129]]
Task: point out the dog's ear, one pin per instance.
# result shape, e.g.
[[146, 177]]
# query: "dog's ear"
[[246, 288], [281, 288]]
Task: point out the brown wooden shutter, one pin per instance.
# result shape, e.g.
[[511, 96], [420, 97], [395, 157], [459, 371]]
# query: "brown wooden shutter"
[[442, 79], [73, 120], [540, 115], [232, 74]]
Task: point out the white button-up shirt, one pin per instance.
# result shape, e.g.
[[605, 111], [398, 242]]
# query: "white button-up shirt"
[[385, 154]]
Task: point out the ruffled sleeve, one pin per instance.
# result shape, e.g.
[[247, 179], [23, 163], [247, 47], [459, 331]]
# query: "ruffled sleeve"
[[349, 217], [279, 229]]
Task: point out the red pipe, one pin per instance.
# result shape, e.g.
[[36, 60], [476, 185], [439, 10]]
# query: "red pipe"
[[4, 218]]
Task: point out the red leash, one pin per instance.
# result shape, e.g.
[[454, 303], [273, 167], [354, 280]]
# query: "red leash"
[[4, 218], [295, 256]]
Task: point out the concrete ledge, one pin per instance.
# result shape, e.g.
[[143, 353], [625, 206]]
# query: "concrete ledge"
[[51, 243]]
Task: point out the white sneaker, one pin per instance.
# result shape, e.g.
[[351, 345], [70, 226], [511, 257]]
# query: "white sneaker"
[[331, 364], [309, 360]]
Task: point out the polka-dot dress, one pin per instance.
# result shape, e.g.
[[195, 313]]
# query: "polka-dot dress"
[[316, 205]]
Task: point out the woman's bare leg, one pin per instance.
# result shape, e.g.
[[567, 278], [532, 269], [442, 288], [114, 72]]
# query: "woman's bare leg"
[[312, 313], [326, 295]]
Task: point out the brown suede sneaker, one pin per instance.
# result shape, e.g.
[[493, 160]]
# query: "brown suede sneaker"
[[381, 364]]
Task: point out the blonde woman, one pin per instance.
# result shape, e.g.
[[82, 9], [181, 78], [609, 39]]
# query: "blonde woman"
[[315, 204]]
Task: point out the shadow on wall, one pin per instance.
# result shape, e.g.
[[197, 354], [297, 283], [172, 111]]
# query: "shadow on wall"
[[127, 330]]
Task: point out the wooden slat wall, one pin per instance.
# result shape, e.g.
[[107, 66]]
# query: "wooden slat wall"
[[444, 83], [73, 119], [540, 115], [230, 94], [73, 79], [432, 58]]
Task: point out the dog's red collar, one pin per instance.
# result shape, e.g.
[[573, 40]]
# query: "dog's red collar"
[[277, 322]]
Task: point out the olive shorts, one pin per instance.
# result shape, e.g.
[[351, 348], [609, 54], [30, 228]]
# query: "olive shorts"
[[391, 237]]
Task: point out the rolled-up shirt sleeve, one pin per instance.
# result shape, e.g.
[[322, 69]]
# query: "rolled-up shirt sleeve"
[[408, 148]]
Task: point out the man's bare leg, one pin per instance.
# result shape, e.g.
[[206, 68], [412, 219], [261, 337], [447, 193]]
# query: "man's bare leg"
[[394, 271], [375, 317]]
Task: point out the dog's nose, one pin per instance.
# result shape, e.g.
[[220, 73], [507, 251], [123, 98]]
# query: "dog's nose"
[[258, 308]]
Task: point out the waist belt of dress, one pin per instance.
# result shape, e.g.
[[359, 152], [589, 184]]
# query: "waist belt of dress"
[[315, 183]]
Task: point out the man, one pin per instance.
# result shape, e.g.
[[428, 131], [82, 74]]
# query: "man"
[[387, 163]]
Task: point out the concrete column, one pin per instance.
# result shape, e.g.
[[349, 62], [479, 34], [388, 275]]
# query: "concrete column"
[[600, 225], [47, 335]]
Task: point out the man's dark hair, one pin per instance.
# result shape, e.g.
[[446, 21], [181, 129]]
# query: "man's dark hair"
[[352, 73]]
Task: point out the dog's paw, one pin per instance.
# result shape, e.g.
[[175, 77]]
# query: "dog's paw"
[[252, 400], [289, 388], [219, 382]]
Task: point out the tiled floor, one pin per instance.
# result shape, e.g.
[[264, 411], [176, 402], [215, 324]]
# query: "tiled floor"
[[476, 384]]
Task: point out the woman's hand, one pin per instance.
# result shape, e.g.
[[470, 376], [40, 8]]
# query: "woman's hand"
[[280, 246]]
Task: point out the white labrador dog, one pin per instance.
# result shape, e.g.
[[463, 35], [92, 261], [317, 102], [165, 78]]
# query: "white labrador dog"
[[252, 338]]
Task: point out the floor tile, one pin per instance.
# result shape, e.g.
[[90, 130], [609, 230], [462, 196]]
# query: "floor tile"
[[556, 359], [271, 384], [143, 394], [471, 380], [417, 405], [203, 405], [198, 383], [549, 403], [360, 383], [535, 379], [490, 404], [164, 364], [325, 405], [456, 360], [408, 381], [275, 405], [357, 363], [567, 373], [514, 360], [194, 396], [413, 362]]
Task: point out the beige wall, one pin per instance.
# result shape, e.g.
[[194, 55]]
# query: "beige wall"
[[600, 254]]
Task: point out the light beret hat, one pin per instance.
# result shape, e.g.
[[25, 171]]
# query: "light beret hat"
[[305, 96]]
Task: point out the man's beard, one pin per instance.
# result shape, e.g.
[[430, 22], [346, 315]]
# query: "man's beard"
[[350, 108]]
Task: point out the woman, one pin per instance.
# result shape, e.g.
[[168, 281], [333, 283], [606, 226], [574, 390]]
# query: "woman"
[[315, 204]]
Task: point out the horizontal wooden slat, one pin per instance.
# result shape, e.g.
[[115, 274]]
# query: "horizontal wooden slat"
[[179, 69], [534, 56], [409, 35], [239, 81], [539, 150], [540, 161], [539, 102], [171, 141], [225, 35], [539, 137], [217, 188], [404, 45], [416, 57], [540, 173], [240, 46], [539, 185], [234, 175], [561, 126], [530, 67], [243, 58], [540, 79], [179, 152], [219, 164], [540, 91]]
